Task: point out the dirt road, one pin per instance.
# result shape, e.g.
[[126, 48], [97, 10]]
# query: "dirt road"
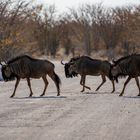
[[72, 116]]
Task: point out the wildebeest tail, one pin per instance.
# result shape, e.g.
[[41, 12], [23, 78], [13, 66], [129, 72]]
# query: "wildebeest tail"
[[110, 75], [57, 80]]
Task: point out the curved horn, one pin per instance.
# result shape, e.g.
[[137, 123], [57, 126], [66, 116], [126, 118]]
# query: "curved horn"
[[113, 61], [3, 63], [62, 62]]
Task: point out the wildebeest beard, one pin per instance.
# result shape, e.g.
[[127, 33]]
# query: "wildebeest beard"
[[123, 72], [67, 74], [120, 75]]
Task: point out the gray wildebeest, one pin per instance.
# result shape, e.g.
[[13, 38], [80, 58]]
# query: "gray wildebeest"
[[127, 66], [27, 67], [85, 65]]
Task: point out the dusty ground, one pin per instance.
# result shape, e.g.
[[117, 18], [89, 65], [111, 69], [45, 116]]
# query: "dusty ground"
[[72, 116]]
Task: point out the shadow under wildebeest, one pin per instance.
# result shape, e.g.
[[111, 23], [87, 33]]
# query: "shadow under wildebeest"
[[27, 67], [42, 97], [97, 92]]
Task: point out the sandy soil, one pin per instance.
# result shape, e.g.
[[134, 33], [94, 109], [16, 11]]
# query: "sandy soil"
[[72, 116]]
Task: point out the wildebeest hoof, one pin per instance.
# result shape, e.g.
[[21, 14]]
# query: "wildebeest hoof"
[[120, 95], [113, 91], [11, 96], [30, 95], [138, 94], [89, 88], [82, 90], [58, 94], [42, 95]]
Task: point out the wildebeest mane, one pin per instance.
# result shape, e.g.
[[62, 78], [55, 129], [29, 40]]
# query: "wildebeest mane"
[[125, 57], [74, 59], [120, 75], [19, 57], [89, 58], [83, 56]]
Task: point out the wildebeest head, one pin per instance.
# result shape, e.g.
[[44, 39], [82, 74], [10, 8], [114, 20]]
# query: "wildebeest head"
[[66, 68], [7, 73], [73, 67], [119, 68], [115, 72]]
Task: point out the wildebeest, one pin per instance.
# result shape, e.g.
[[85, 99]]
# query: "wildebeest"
[[27, 67], [85, 65], [127, 66]]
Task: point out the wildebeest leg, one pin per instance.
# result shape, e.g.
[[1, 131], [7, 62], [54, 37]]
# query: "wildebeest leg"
[[17, 82], [113, 86], [56, 80], [46, 84], [29, 84], [82, 82], [137, 82], [126, 82], [103, 81]]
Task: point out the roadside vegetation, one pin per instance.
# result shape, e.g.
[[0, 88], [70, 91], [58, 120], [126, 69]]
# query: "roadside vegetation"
[[93, 30]]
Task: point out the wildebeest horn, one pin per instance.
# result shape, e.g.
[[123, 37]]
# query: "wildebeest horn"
[[113, 61], [62, 62], [3, 63]]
